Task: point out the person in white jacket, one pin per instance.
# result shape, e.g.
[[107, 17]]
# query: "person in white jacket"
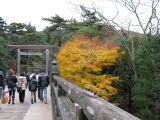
[[21, 87]]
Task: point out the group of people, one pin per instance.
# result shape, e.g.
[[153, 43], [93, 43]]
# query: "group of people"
[[34, 82]]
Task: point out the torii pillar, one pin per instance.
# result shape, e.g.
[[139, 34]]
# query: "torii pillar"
[[19, 53]]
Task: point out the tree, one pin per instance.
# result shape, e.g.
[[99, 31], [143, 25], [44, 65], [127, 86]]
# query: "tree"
[[139, 61], [36, 38], [21, 28], [3, 27], [81, 62], [146, 88], [151, 23], [61, 30], [29, 28], [17, 31], [5, 61], [16, 28], [89, 17], [57, 25]]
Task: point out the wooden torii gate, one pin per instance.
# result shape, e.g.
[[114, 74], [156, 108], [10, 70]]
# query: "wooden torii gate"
[[31, 47]]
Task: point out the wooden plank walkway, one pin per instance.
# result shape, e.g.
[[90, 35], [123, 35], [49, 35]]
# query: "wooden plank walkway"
[[26, 111]]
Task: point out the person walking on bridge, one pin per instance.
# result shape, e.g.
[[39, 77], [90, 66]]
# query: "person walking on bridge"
[[33, 85], [21, 87], [11, 80], [43, 82]]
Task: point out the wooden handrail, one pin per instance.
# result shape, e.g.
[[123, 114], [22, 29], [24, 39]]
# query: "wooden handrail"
[[92, 106]]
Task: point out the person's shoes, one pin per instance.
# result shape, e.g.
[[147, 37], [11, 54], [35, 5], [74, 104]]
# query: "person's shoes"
[[13, 101], [35, 100], [45, 101], [22, 101], [31, 101], [9, 101]]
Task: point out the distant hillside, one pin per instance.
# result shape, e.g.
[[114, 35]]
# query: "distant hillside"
[[113, 34]]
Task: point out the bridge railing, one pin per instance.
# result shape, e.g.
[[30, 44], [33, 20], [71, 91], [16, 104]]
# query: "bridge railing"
[[69, 102]]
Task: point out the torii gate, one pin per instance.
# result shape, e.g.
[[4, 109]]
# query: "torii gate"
[[31, 47]]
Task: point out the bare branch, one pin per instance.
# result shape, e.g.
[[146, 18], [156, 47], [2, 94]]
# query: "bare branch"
[[153, 7]]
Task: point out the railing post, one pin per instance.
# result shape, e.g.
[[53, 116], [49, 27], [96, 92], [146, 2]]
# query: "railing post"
[[53, 98], [79, 113], [55, 83], [61, 92]]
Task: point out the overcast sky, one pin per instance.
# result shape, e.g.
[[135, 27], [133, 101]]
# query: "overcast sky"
[[26, 11]]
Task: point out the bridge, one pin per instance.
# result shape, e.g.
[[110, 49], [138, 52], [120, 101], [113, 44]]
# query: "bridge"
[[65, 102]]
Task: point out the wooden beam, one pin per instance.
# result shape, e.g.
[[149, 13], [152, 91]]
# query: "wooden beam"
[[18, 62], [32, 53], [31, 46], [47, 61]]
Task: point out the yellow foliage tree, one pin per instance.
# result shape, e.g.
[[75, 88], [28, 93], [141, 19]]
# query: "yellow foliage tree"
[[81, 60]]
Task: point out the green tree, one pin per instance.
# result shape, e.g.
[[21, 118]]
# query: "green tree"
[[57, 26], [29, 28], [146, 88], [21, 28], [5, 61], [16, 28], [3, 27], [89, 17], [37, 38]]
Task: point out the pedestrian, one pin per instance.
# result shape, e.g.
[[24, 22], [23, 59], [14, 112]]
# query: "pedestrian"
[[33, 85], [27, 75], [11, 80], [43, 82], [32, 74], [21, 86], [2, 84], [38, 89]]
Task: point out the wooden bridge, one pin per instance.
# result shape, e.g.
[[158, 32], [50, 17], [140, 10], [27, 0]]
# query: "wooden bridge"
[[66, 101], [69, 102]]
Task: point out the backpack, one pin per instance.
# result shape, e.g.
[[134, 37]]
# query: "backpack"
[[4, 99], [11, 81]]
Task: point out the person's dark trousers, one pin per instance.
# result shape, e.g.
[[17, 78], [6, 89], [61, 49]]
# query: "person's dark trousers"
[[39, 92], [11, 95], [22, 96], [33, 97]]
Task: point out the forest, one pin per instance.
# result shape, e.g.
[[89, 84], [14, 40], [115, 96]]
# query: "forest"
[[97, 54]]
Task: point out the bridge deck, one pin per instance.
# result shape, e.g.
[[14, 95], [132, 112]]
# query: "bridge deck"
[[26, 111]]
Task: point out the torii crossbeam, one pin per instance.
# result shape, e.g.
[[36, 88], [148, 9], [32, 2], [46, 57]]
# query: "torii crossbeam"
[[47, 48]]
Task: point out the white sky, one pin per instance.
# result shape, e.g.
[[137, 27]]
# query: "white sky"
[[26, 11]]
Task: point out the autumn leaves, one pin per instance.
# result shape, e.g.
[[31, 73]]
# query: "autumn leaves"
[[81, 61]]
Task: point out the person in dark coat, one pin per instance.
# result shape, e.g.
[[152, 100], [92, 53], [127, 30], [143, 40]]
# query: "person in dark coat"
[[27, 75], [2, 83], [11, 80], [43, 82], [33, 85]]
